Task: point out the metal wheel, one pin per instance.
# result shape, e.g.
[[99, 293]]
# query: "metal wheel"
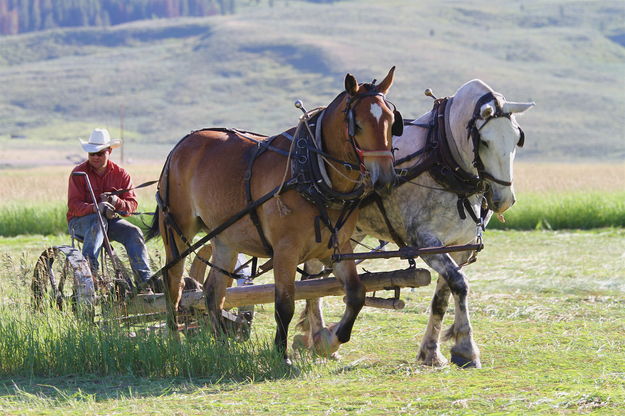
[[62, 279]]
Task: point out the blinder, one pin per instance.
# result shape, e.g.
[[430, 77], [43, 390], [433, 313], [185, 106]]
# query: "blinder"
[[474, 134], [351, 124], [398, 125], [521, 141]]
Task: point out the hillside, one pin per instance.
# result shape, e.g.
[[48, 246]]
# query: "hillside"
[[173, 76]]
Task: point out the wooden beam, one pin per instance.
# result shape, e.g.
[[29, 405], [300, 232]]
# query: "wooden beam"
[[308, 289]]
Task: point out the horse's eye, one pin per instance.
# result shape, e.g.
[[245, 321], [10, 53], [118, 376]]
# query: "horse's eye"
[[484, 143]]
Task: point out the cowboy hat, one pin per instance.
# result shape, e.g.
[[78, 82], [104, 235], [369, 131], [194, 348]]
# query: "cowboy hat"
[[99, 139]]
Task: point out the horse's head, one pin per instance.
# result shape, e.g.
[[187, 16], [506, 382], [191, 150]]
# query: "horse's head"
[[368, 121], [488, 120]]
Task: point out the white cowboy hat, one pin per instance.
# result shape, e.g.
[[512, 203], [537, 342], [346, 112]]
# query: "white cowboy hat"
[[99, 139]]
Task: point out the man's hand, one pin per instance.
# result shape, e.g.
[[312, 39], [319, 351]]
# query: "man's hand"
[[107, 210], [111, 199]]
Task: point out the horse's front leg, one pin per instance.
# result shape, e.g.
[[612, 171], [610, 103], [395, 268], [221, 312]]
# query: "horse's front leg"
[[285, 262], [328, 340], [465, 352]]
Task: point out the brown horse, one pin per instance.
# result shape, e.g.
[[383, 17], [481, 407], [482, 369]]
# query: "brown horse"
[[203, 184]]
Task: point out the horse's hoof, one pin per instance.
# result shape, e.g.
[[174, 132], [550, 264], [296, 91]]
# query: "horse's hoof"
[[325, 342], [301, 342], [433, 359], [288, 362], [463, 362]]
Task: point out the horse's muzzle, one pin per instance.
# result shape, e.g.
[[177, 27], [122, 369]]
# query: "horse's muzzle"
[[500, 201], [381, 172]]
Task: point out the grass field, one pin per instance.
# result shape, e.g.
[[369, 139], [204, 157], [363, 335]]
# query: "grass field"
[[550, 196], [547, 309], [547, 302]]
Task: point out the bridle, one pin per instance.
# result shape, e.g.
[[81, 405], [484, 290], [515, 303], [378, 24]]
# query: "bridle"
[[475, 135], [396, 129]]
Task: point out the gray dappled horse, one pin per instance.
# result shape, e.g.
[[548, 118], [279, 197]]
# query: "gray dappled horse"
[[483, 135]]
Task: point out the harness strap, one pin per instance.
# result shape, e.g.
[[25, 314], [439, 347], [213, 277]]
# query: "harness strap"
[[226, 224], [248, 192], [396, 237]]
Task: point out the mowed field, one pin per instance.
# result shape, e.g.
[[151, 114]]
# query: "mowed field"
[[548, 310]]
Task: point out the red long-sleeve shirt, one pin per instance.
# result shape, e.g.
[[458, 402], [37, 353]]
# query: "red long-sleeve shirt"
[[114, 178]]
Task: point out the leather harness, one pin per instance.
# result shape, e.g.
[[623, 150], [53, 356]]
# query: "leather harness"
[[438, 159], [307, 178]]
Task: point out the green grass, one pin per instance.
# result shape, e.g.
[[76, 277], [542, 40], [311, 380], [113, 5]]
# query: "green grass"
[[46, 218], [546, 307], [57, 344], [574, 210]]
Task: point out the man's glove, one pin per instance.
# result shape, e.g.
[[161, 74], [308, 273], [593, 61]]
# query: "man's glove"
[[107, 210]]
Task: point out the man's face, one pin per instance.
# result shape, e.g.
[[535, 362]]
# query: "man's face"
[[98, 160]]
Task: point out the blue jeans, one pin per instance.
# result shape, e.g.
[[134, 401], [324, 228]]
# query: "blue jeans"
[[88, 229]]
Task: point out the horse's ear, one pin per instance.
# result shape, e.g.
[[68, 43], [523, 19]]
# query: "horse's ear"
[[386, 83], [351, 85], [512, 107]]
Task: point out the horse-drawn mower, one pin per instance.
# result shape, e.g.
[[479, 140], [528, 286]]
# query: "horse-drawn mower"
[[62, 278]]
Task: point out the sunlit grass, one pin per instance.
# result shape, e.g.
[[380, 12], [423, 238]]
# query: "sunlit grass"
[[56, 343], [557, 211]]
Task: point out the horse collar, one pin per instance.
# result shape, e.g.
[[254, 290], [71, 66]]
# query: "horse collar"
[[308, 167]]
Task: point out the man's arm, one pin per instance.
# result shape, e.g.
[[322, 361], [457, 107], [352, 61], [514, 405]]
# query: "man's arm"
[[77, 197]]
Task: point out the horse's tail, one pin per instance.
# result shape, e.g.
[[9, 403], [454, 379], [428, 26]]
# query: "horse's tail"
[[162, 194], [154, 230]]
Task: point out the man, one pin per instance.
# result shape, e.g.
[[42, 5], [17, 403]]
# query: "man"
[[105, 177]]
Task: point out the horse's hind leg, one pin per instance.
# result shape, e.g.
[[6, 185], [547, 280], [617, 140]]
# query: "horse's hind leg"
[[311, 318], [173, 278], [216, 284], [429, 352], [198, 267]]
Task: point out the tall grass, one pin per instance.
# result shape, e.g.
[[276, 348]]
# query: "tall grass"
[[44, 219], [550, 196], [577, 210], [552, 211], [57, 343]]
